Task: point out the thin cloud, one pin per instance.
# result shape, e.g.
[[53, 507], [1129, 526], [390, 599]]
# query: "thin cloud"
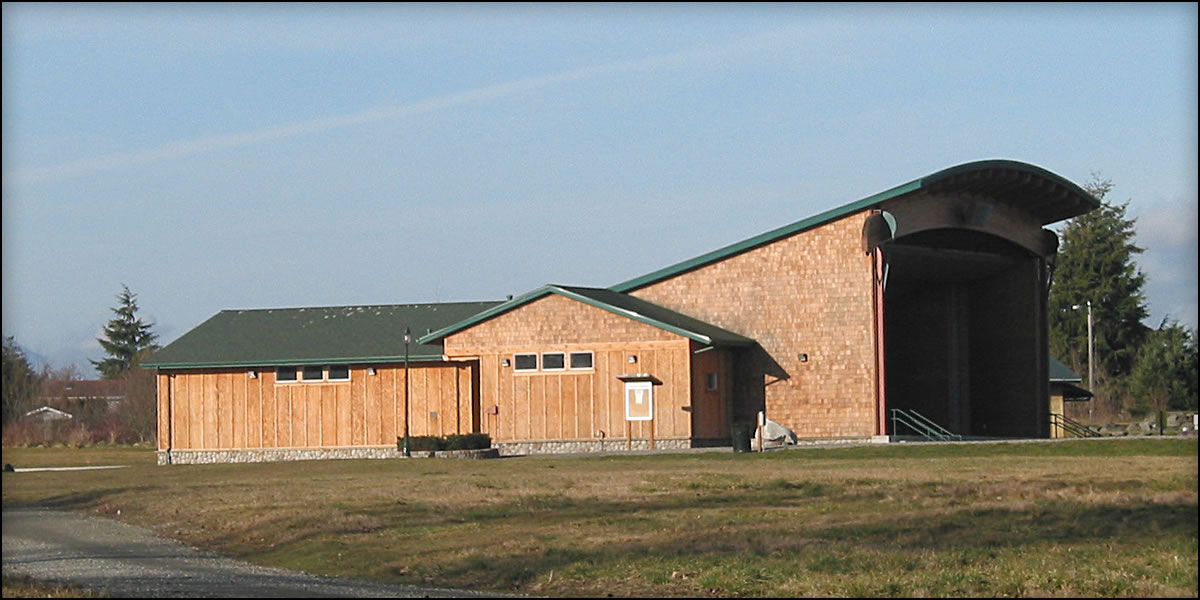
[[1169, 236], [211, 143]]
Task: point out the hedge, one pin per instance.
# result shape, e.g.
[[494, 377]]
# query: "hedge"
[[431, 443]]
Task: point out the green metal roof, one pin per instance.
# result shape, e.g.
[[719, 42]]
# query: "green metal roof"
[[1046, 196], [300, 336], [1063, 380], [1061, 372], [616, 303]]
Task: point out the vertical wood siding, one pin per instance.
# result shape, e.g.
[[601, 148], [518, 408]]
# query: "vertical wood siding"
[[575, 405], [163, 401], [215, 409]]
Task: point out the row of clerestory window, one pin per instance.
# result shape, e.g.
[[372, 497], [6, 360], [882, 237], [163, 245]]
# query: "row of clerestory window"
[[552, 361], [312, 373]]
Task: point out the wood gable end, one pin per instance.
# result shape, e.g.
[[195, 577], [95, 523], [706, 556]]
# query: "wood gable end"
[[527, 398], [554, 321]]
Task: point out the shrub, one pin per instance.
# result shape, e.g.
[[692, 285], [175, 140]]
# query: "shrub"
[[470, 441], [432, 443], [422, 443]]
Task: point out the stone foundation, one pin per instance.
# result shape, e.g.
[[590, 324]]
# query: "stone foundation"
[[212, 457], [588, 446]]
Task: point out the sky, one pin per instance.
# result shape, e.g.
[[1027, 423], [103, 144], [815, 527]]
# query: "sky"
[[226, 156]]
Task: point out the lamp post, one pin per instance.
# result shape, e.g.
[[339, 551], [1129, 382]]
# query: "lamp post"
[[407, 341], [1091, 378]]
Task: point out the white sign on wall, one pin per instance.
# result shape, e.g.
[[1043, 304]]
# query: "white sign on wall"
[[639, 401]]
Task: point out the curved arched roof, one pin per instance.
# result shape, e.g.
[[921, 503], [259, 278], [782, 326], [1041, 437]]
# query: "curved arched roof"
[[1045, 196]]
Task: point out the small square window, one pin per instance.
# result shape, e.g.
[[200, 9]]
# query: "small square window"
[[313, 373], [553, 361], [525, 362], [285, 373], [339, 373], [581, 360]]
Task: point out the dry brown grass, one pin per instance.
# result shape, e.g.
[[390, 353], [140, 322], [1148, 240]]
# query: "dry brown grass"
[[26, 587], [1069, 519]]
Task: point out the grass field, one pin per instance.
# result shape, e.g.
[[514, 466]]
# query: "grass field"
[[1106, 517]]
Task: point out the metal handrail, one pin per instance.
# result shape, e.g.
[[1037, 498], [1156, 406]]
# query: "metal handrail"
[[1072, 426], [904, 418], [922, 425], [938, 428]]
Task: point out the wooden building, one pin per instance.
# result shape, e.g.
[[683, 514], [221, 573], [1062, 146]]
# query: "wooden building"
[[1065, 391], [279, 384], [560, 366], [930, 296]]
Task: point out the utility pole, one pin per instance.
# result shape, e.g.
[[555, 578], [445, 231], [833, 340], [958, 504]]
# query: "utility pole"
[[1090, 350], [1091, 378]]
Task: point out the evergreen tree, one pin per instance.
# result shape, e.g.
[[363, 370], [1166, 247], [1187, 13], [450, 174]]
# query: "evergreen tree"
[[1164, 377], [126, 338], [1095, 263], [20, 381]]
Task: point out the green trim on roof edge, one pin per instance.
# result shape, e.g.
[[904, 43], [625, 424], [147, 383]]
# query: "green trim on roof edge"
[[369, 360], [842, 211], [574, 293], [483, 316], [765, 238], [333, 335]]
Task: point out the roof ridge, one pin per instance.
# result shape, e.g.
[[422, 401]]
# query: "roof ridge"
[[587, 296], [844, 210], [411, 304]]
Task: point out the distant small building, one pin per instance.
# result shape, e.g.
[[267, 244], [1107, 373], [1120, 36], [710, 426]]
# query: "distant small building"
[[47, 414], [1063, 389]]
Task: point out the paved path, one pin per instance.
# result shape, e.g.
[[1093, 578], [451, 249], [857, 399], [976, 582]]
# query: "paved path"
[[121, 560]]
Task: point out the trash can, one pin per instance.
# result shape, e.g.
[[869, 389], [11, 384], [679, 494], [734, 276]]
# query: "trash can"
[[740, 432]]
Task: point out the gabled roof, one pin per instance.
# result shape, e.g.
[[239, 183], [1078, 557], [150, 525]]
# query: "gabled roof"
[[50, 413], [300, 336], [616, 303], [1063, 380], [1061, 372], [1047, 197]]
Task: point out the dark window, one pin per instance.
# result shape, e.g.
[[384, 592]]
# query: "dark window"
[[285, 373], [314, 373], [339, 373], [553, 361], [525, 362], [581, 360], [712, 382]]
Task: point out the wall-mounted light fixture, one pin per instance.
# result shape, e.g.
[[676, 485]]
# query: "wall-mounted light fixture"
[[252, 374], [370, 370], [504, 362], [632, 358], [803, 357]]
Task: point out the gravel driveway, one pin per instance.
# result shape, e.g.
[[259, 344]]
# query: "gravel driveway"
[[121, 560]]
